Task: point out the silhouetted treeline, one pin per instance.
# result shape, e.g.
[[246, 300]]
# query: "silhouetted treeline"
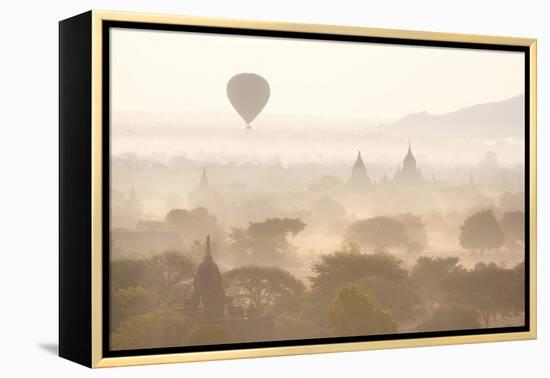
[[349, 292]]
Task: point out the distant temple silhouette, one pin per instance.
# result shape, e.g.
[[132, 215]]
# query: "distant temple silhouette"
[[406, 175], [204, 185], [409, 174], [359, 178], [204, 195], [209, 304], [126, 211], [133, 206]]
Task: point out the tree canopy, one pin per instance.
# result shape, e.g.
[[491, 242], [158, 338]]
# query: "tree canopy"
[[164, 276], [157, 273], [379, 233], [400, 299], [129, 302], [356, 312], [428, 272], [451, 317], [488, 288], [349, 265], [195, 224], [261, 287], [481, 231], [415, 230], [328, 208], [156, 329], [168, 269], [127, 273], [265, 242]]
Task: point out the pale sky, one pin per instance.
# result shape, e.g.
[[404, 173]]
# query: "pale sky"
[[159, 72]]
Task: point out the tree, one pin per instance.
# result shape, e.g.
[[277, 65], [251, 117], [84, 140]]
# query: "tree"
[[128, 302], [169, 269], [415, 230], [209, 334], [344, 266], [378, 232], [356, 313], [400, 299], [513, 226], [489, 289], [265, 242], [517, 293], [327, 208], [481, 231], [158, 274], [349, 265], [127, 273], [451, 317], [157, 329], [430, 271], [195, 224], [261, 287]]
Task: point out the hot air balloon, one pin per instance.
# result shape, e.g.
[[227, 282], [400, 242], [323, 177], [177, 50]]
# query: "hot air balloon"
[[248, 93]]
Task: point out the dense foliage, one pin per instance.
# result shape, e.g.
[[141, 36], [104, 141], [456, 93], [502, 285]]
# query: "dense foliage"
[[356, 312]]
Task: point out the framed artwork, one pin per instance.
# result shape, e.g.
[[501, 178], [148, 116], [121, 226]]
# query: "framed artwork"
[[235, 189]]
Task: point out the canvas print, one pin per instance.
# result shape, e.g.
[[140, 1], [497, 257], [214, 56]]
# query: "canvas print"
[[268, 189]]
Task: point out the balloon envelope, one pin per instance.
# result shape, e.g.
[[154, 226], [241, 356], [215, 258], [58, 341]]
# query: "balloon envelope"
[[248, 93]]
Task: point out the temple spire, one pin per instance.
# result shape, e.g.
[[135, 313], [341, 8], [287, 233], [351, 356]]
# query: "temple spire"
[[409, 152], [133, 204], [410, 172], [359, 161], [208, 253], [409, 163], [359, 178], [204, 180]]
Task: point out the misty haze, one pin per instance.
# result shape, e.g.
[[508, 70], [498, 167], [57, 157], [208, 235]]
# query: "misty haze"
[[357, 195]]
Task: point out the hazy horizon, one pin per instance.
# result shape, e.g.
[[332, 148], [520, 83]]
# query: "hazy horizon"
[[328, 99], [307, 77]]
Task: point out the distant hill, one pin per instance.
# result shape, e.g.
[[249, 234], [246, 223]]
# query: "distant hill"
[[491, 120]]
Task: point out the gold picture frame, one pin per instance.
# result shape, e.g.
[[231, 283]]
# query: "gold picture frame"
[[89, 266]]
